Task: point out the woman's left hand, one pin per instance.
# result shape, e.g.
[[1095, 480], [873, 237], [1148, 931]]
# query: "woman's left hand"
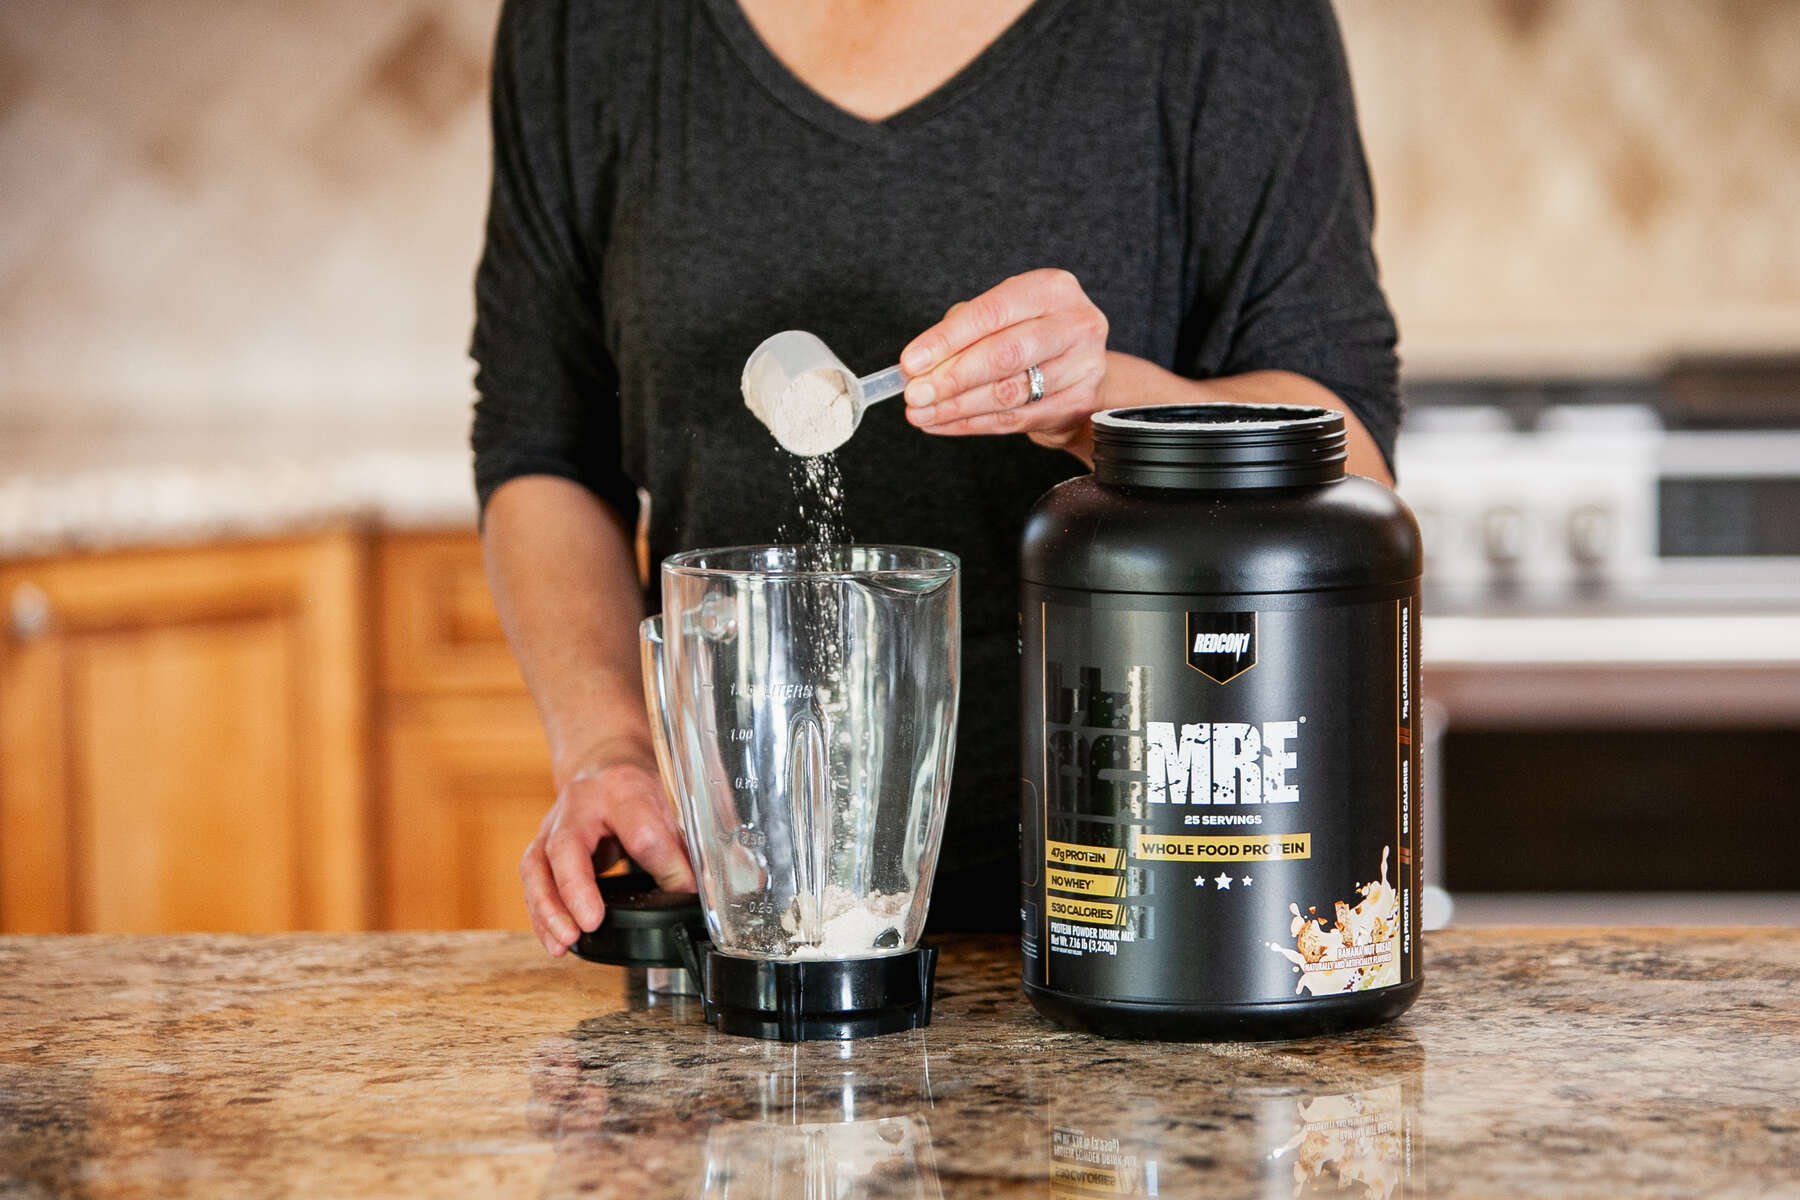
[[969, 371]]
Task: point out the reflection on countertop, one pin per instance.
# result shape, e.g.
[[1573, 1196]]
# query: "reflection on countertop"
[[1566, 1063]]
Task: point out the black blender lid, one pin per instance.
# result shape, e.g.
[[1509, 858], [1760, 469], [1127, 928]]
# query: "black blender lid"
[[639, 927]]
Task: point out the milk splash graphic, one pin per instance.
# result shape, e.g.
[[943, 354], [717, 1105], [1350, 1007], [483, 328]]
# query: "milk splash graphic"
[[1359, 952]]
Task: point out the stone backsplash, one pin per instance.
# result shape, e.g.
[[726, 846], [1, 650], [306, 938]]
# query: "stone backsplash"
[[1587, 185], [218, 211]]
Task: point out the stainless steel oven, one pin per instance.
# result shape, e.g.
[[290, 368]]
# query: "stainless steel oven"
[[1611, 646]]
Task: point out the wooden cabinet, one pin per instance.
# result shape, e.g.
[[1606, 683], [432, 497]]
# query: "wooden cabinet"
[[466, 782], [316, 733], [464, 768], [182, 740], [438, 632]]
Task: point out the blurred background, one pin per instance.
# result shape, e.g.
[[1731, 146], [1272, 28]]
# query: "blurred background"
[[249, 674]]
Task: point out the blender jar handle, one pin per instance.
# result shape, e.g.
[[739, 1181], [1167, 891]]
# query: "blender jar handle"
[[656, 699]]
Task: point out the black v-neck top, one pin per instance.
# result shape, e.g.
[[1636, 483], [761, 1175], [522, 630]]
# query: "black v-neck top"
[[666, 194], [808, 105]]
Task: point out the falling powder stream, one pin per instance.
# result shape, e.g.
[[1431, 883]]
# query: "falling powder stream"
[[818, 522], [844, 923]]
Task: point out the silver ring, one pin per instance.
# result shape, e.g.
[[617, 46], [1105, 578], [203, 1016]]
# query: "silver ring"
[[1036, 378]]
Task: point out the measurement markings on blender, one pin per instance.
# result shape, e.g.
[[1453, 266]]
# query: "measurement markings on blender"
[[772, 691]]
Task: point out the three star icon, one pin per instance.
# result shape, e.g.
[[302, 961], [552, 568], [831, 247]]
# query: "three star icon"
[[1223, 881]]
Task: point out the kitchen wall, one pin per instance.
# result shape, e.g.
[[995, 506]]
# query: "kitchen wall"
[[217, 212], [264, 208], [1583, 184]]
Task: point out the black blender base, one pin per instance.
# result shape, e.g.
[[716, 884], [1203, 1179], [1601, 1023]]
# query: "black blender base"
[[823, 999]]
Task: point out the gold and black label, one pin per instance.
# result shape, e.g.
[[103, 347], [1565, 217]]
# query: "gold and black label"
[[1220, 802]]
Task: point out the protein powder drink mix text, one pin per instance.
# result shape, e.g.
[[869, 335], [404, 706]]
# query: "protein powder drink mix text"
[[1220, 767]]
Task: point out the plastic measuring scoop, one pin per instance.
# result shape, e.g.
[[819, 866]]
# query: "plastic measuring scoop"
[[775, 366]]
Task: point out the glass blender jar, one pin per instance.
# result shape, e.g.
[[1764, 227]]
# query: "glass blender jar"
[[804, 699]]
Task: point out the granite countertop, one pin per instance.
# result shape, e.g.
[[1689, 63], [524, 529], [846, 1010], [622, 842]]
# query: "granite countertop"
[[67, 490], [1607, 1063]]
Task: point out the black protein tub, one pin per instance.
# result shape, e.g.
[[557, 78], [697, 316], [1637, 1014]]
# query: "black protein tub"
[[1220, 769]]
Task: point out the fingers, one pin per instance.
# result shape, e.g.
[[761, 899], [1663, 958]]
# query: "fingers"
[[1014, 300], [1059, 415], [596, 808], [1001, 406], [640, 816], [980, 351], [620, 809], [996, 359], [550, 921], [570, 851], [655, 845]]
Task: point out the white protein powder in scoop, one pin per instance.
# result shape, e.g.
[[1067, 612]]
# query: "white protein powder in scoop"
[[813, 414]]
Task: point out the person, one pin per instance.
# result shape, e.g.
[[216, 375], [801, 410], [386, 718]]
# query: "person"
[[1139, 202]]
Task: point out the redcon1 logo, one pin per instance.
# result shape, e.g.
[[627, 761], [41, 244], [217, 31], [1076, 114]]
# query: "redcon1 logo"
[[1221, 646]]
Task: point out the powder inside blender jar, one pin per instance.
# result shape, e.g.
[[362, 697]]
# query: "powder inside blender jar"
[[853, 927]]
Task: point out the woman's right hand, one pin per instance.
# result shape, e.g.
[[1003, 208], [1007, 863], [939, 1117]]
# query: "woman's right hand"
[[604, 812]]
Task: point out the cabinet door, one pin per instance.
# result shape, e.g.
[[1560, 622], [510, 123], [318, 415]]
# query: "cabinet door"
[[465, 771], [467, 780], [181, 740], [439, 631]]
